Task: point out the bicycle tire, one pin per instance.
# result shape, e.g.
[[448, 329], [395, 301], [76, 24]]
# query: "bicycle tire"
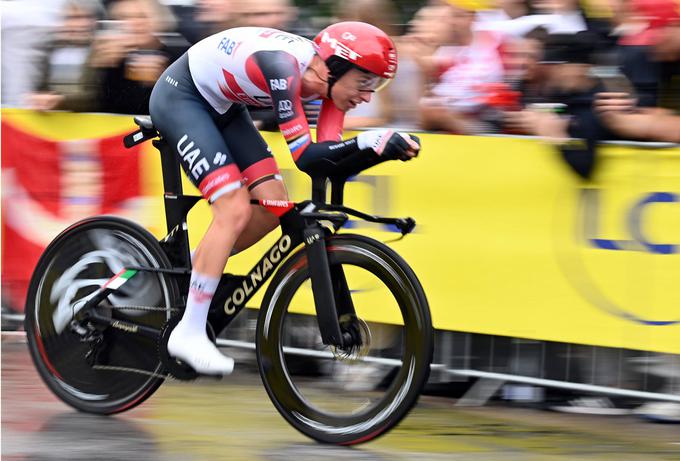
[[57, 352], [401, 395]]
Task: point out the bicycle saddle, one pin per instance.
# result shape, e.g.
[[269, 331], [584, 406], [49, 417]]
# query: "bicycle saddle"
[[144, 122]]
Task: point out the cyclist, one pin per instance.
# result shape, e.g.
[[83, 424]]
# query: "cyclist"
[[199, 106]]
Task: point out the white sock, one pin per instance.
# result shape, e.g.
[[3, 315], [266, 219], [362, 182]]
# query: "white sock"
[[201, 290], [188, 340]]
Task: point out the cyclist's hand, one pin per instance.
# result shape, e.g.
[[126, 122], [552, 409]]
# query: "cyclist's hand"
[[390, 144]]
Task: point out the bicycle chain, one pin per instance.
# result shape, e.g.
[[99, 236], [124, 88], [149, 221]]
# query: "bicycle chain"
[[145, 308], [131, 370]]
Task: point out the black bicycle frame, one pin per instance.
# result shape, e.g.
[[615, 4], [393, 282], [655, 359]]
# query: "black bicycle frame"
[[234, 291], [300, 225]]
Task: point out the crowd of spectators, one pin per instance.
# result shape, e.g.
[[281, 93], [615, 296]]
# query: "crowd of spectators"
[[552, 68]]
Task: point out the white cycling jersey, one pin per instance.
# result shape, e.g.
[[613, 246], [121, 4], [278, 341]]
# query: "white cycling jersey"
[[224, 70]]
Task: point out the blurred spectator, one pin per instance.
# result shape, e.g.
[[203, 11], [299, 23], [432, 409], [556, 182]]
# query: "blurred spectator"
[[275, 14], [639, 24], [556, 16], [68, 82], [504, 10], [667, 44], [659, 25], [567, 112], [421, 50], [618, 113], [564, 16], [429, 40], [379, 111], [130, 55], [521, 58], [456, 102], [422, 54], [26, 25], [649, 53], [203, 18], [569, 17]]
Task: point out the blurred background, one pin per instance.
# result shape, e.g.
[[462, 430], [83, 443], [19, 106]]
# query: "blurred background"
[[541, 68], [577, 75]]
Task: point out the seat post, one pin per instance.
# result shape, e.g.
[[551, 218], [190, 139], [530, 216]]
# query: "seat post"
[[172, 178], [177, 205]]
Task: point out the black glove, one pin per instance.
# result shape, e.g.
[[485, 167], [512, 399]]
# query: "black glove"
[[390, 144]]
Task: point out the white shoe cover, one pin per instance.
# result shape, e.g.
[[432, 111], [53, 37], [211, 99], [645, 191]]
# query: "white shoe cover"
[[199, 352]]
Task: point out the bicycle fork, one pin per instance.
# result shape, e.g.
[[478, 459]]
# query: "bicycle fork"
[[332, 298]]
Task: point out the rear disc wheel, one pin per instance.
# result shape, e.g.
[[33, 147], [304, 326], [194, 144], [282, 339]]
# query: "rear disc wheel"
[[99, 369]]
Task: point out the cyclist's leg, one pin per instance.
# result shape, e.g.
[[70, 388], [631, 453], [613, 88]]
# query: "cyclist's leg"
[[262, 221], [188, 341], [259, 171], [189, 125]]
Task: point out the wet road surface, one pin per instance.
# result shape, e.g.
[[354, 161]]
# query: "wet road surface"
[[234, 419]]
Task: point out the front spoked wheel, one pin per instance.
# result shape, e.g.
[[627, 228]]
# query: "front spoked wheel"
[[353, 394], [91, 367]]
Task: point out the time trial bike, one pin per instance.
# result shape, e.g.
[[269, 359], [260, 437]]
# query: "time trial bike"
[[344, 337]]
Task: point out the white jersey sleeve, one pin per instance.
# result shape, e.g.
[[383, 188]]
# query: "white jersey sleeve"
[[224, 71]]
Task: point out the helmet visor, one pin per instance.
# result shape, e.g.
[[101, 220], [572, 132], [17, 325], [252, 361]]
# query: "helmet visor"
[[370, 82]]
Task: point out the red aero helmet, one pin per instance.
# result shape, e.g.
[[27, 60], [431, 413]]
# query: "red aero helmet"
[[363, 45]]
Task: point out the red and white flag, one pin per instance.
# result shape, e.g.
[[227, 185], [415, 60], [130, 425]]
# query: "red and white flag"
[[48, 185]]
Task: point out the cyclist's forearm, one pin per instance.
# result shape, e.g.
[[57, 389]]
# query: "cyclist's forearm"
[[321, 157]]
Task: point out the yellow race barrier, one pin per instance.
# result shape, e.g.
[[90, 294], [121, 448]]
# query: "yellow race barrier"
[[509, 241]]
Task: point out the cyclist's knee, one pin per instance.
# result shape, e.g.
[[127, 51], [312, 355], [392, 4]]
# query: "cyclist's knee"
[[232, 210], [272, 190]]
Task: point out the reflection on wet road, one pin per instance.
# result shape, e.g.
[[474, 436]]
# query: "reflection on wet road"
[[234, 419]]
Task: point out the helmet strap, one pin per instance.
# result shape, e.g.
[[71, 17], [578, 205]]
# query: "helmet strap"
[[331, 81], [337, 67]]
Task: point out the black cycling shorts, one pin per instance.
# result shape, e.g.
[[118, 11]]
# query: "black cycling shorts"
[[218, 152]]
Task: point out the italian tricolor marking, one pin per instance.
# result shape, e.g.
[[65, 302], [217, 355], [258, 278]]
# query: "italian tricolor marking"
[[119, 279]]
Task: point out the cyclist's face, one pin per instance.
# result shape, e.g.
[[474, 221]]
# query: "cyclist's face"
[[353, 88]]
